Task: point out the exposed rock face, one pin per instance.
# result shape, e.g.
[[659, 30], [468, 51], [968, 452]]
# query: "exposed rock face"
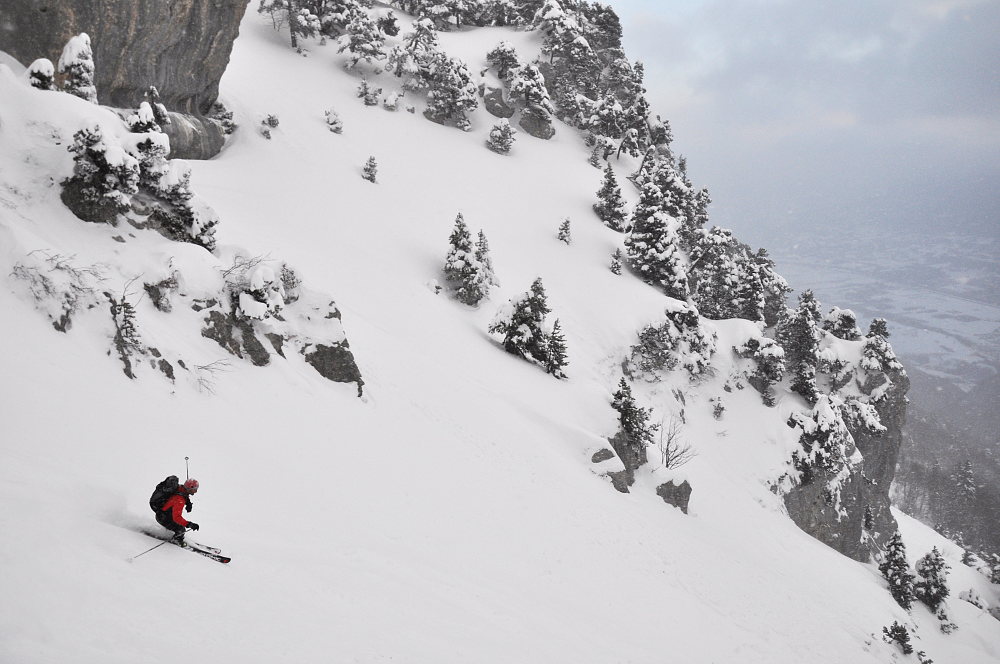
[[496, 105], [537, 122], [678, 495], [194, 137], [180, 46], [310, 326], [866, 487]]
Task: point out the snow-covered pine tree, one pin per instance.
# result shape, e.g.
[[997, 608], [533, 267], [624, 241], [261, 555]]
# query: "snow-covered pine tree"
[[878, 354], [452, 93], [896, 571], [679, 340], [565, 235], [799, 335], [714, 274], [296, 14], [160, 115], [103, 181], [387, 24], [825, 439], [76, 66], [368, 93], [333, 121], [487, 275], [653, 245], [769, 359], [462, 268], [184, 217], [143, 120], [364, 41], [842, 323], [555, 358], [504, 59], [610, 206], [932, 586], [501, 137], [370, 170], [527, 87], [633, 419], [521, 324], [410, 60], [899, 635], [41, 74], [616, 262]]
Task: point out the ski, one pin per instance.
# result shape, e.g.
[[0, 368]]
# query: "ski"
[[167, 538], [201, 549], [208, 554]]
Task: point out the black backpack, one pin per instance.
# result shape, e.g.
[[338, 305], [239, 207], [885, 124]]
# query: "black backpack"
[[163, 491]]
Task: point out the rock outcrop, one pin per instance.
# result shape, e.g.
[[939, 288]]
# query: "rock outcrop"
[[678, 495], [180, 46], [857, 520]]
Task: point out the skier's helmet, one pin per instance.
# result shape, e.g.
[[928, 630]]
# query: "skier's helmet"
[[191, 485]]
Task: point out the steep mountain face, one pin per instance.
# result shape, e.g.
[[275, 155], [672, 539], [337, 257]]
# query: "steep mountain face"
[[470, 504], [182, 47]]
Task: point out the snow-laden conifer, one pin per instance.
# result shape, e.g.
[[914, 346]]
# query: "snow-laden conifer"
[[799, 335], [41, 74], [932, 586], [565, 234], [411, 59], [76, 66], [104, 177], [363, 41], [610, 206], [616, 262], [452, 93], [487, 276], [653, 245], [680, 340], [768, 357], [896, 571], [899, 635], [501, 137], [842, 323], [825, 440], [461, 266], [370, 169], [878, 354], [503, 58], [522, 324], [633, 419], [160, 115], [555, 356]]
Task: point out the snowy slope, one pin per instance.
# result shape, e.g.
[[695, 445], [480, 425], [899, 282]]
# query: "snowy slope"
[[452, 514]]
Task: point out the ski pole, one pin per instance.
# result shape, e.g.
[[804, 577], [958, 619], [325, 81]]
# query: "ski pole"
[[186, 470], [146, 551]]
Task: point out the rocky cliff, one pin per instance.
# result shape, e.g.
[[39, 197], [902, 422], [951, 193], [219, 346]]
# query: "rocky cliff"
[[859, 520], [180, 46]]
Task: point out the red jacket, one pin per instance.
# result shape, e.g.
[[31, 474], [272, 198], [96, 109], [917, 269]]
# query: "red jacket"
[[175, 505]]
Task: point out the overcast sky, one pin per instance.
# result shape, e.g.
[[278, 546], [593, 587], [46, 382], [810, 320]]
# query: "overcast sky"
[[815, 112]]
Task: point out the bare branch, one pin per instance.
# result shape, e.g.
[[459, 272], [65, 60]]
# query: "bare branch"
[[674, 452]]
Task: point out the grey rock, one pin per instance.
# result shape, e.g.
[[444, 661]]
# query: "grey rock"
[[236, 336], [194, 136], [181, 46], [602, 455], [632, 454], [537, 122], [622, 480], [678, 495], [496, 105], [335, 362]]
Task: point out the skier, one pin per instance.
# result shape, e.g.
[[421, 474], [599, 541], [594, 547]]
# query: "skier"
[[169, 515]]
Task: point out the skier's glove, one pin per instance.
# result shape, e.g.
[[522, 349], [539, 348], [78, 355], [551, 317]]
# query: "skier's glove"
[[193, 526], [187, 508]]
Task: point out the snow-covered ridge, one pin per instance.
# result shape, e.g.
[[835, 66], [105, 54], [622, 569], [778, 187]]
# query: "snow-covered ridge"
[[452, 515]]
